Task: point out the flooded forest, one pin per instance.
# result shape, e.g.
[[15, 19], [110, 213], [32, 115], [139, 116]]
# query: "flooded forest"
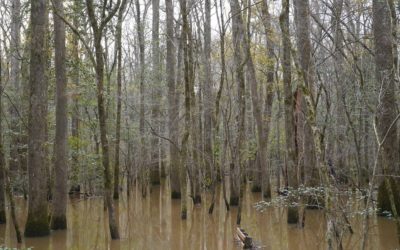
[[199, 124]]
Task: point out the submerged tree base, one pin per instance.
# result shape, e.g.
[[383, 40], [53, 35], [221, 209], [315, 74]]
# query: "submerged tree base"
[[234, 201], [267, 193], [384, 206], [183, 214], [175, 195], [293, 215], [59, 222], [155, 177], [37, 225], [197, 199], [2, 216], [256, 188]]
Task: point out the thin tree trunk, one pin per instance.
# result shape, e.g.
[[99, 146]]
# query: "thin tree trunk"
[[119, 99], [74, 171], [155, 142], [98, 61], [172, 108], [2, 156]]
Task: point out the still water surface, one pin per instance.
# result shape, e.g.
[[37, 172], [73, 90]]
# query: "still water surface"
[[154, 223]]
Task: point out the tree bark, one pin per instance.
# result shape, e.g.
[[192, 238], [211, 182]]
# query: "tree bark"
[[74, 171], [37, 223], [172, 108], [59, 219], [118, 41], [2, 156], [386, 113], [208, 98], [235, 166], [155, 142], [98, 61], [15, 69], [290, 127]]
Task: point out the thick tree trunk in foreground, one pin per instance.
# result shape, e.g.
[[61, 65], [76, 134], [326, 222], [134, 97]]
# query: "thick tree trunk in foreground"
[[37, 223], [386, 113], [59, 219]]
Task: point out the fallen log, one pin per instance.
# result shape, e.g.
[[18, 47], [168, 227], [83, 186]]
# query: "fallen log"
[[245, 240]]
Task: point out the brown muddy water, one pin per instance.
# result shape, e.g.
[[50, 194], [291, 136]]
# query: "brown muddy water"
[[154, 223]]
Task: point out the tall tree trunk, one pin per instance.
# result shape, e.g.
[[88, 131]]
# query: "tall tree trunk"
[[339, 85], [255, 98], [189, 81], [2, 156], [15, 65], [291, 163], [59, 219], [118, 41], [172, 108], [98, 62], [155, 142], [216, 122], [208, 100], [386, 113], [235, 166], [74, 171], [37, 223], [269, 95], [142, 154]]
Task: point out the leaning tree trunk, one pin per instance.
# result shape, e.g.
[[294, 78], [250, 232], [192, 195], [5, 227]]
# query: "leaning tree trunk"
[[37, 223], [59, 218]]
